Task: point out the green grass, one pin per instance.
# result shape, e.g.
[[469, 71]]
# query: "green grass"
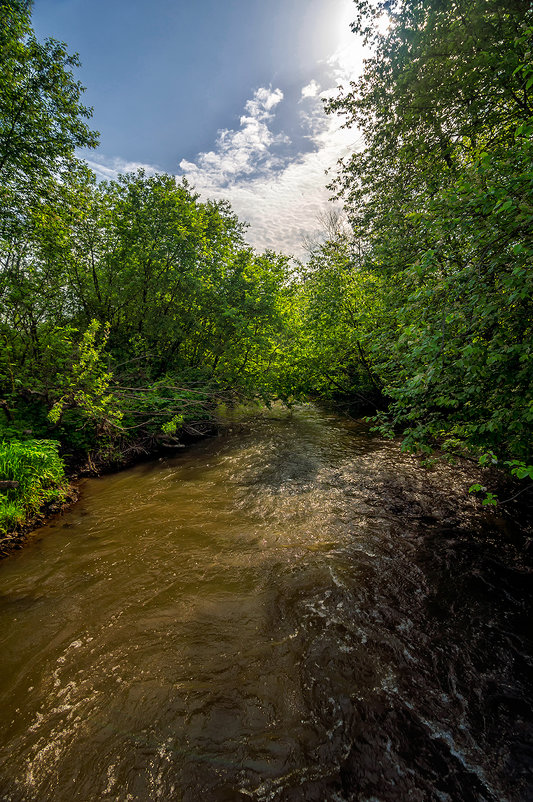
[[38, 468]]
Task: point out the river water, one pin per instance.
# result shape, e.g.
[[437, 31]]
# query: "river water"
[[291, 611]]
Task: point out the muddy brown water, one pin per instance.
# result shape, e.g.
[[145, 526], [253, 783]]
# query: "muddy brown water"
[[291, 611]]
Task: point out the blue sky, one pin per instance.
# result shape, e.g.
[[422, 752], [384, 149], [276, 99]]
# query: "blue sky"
[[226, 92]]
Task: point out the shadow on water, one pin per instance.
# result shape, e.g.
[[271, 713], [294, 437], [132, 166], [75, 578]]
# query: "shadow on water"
[[292, 612]]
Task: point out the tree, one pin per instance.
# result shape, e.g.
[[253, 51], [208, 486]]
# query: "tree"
[[441, 200], [41, 114], [336, 309]]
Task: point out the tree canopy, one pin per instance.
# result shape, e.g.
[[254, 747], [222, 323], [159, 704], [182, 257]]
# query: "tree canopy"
[[440, 203], [41, 114]]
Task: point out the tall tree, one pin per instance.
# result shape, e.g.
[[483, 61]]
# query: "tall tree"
[[41, 114], [441, 199]]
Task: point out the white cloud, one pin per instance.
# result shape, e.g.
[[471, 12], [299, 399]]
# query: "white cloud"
[[263, 101], [277, 185], [283, 206], [242, 153], [109, 169], [311, 89], [280, 197]]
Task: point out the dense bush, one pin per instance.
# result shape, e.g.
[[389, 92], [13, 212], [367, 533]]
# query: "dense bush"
[[39, 473]]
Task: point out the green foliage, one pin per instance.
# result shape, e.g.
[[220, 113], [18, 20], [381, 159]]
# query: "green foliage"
[[39, 471], [441, 202], [335, 308], [130, 308], [165, 406], [85, 386], [40, 105], [40, 113], [520, 469], [172, 426], [489, 499], [133, 312]]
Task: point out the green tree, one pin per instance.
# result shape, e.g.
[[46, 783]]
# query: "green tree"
[[41, 124], [336, 309], [41, 114], [441, 200]]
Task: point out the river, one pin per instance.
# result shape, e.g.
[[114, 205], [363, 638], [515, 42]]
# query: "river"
[[293, 610]]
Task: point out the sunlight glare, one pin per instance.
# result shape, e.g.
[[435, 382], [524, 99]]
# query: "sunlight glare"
[[382, 24], [349, 52]]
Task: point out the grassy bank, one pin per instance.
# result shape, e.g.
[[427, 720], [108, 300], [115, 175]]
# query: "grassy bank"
[[32, 476], [38, 476]]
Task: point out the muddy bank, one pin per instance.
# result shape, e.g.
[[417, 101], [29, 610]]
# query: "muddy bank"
[[16, 540]]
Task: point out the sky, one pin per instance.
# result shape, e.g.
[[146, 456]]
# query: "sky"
[[225, 92]]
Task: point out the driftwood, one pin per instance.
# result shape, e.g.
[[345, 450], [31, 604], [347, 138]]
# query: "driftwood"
[[8, 485]]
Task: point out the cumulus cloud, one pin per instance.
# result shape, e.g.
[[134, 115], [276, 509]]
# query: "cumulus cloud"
[[275, 182], [279, 185], [248, 151], [263, 101], [273, 186], [311, 89], [283, 206], [280, 196]]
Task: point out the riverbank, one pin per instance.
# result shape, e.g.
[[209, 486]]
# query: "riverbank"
[[66, 485], [19, 537]]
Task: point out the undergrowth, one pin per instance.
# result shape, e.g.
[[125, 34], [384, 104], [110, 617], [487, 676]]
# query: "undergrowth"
[[38, 469]]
